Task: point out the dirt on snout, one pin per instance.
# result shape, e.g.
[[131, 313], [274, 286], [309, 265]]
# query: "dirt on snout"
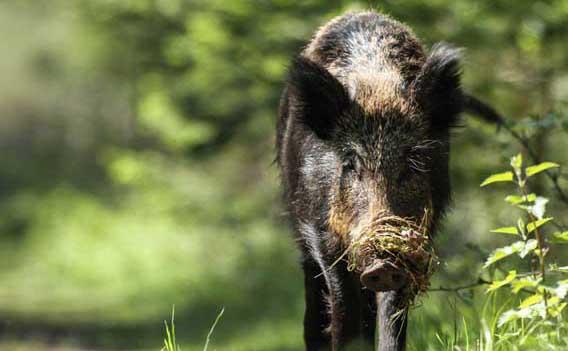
[[403, 243]]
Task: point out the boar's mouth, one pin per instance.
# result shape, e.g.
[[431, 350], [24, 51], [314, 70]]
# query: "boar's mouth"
[[398, 250]]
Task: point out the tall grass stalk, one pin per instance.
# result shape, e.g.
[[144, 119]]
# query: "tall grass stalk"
[[213, 328], [170, 340], [170, 343]]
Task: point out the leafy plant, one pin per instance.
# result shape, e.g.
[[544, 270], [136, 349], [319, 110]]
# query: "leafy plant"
[[543, 285]]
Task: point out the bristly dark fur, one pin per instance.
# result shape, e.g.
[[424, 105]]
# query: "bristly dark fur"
[[362, 134]]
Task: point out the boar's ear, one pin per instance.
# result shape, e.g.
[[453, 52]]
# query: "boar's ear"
[[318, 95], [438, 86]]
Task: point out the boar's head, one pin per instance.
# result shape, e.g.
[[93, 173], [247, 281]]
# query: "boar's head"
[[382, 158]]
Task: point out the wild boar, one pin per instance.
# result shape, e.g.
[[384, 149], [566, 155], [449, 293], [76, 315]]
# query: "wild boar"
[[363, 149]]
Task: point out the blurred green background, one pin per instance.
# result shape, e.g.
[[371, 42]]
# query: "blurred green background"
[[136, 148]]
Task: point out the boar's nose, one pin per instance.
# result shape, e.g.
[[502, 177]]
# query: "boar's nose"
[[382, 275]]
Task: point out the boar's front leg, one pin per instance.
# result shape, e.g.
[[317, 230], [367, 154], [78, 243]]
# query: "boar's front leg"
[[333, 312], [316, 317], [345, 308], [369, 317]]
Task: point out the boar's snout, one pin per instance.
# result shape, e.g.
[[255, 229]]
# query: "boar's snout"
[[382, 275]]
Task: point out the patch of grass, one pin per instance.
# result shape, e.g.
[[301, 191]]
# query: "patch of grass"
[[170, 343]]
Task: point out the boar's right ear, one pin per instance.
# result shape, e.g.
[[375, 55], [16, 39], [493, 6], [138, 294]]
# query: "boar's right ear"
[[438, 85], [318, 95]]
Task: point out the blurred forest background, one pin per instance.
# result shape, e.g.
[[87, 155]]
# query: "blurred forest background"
[[136, 148]]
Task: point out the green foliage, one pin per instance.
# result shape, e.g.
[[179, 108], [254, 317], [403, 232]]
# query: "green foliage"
[[499, 177], [541, 167], [136, 171], [542, 310]]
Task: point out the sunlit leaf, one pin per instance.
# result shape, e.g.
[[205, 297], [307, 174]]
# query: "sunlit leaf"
[[530, 245], [513, 315], [560, 237], [499, 177], [506, 230], [515, 199], [554, 300], [503, 252], [532, 226], [528, 282], [500, 283], [531, 300], [556, 310], [532, 170], [508, 316], [517, 162], [562, 290]]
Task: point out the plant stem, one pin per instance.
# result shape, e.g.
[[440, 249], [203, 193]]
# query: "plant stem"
[[521, 182], [208, 339], [462, 287], [478, 283]]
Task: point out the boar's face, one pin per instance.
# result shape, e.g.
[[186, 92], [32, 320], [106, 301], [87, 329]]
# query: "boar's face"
[[383, 171], [386, 161]]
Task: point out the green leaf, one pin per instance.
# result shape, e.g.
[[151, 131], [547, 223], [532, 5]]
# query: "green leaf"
[[532, 226], [531, 300], [503, 252], [499, 177], [557, 310], [532, 170], [563, 269], [562, 290], [517, 162], [500, 283], [560, 237], [513, 315], [515, 200], [528, 282], [506, 230], [554, 300], [508, 316]]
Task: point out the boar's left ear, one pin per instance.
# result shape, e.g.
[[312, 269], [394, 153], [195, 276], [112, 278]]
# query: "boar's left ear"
[[320, 97], [438, 86]]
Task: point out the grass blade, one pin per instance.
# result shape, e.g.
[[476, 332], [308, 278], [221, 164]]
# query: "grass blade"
[[212, 329]]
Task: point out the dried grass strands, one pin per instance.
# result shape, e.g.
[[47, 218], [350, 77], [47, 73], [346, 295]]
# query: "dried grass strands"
[[400, 240]]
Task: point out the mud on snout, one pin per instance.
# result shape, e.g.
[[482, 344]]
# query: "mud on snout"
[[393, 253]]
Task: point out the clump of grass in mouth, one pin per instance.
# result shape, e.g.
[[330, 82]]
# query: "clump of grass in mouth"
[[401, 241]]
